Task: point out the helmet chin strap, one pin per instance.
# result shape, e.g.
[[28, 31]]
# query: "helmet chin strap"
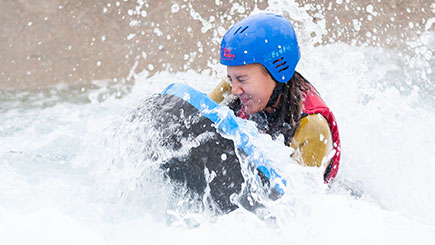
[[274, 99]]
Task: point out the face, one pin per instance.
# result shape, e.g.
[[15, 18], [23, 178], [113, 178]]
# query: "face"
[[252, 84]]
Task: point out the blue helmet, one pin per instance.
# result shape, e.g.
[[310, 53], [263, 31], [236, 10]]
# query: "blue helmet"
[[267, 39]]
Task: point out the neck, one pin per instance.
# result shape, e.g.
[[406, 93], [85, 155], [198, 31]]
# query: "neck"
[[274, 100]]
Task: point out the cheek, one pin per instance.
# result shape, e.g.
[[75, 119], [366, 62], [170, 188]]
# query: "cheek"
[[254, 90], [263, 96]]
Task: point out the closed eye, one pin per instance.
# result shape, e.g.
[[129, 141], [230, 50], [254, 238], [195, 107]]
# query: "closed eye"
[[242, 78]]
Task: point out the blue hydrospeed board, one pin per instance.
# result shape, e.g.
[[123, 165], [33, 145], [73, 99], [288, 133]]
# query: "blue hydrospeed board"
[[229, 126]]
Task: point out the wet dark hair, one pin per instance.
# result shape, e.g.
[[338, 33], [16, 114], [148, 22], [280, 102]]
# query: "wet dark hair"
[[285, 118], [289, 112]]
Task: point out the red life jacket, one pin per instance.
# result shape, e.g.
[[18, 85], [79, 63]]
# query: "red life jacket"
[[314, 104]]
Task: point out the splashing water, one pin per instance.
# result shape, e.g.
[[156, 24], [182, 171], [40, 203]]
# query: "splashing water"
[[73, 169]]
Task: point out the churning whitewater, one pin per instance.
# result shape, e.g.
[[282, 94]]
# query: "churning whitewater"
[[75, 169]]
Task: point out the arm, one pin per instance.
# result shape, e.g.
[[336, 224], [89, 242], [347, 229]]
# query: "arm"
[[312, 141]]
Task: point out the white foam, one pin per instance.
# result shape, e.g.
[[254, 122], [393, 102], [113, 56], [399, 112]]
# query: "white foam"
[[73, 173]]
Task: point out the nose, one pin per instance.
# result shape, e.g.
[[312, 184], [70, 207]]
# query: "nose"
[[236, 89]]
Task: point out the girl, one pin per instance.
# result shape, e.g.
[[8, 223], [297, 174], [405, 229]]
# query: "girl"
[[261, 53]]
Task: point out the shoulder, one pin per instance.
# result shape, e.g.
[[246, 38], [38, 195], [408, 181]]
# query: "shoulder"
[[313, 124], [313, 140]]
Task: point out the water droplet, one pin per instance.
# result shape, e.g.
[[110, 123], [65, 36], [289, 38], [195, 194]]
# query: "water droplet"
[[224, 156], [221, 30], [131, 36], [175, 8]]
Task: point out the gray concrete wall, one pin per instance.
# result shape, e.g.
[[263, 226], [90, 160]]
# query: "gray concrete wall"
[[47, 42]]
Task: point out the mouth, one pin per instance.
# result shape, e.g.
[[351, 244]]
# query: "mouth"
[[245, 99]]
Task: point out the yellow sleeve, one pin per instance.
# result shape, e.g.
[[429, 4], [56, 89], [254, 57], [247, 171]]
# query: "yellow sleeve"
[[312, 141], [220, 91]]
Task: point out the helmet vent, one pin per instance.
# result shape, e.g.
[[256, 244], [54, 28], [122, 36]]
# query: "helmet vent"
[[283, 69], [281, 64], [244, 29], [237, 31], [278, 60]]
